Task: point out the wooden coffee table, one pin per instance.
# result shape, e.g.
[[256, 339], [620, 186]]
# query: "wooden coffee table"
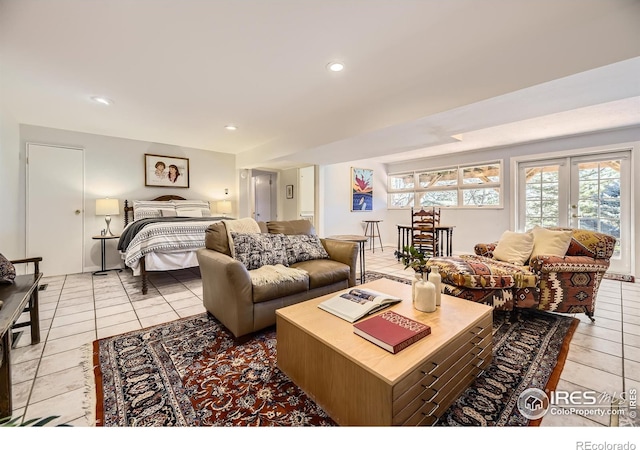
[[359, 383]]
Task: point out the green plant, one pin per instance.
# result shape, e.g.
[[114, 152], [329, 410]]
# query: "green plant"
[[414, 259]]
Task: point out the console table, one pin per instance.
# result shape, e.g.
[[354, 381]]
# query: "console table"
[[445, 239]]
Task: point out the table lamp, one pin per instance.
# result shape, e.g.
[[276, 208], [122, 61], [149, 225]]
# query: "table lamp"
[[107, 207], [224, 207]]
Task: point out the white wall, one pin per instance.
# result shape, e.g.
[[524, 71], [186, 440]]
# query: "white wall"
[[11, 180], [114, 167]]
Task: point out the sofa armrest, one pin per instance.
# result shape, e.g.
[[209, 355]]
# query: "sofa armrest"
[[227, 292], [344, 252], [546, 264], [485, 250]]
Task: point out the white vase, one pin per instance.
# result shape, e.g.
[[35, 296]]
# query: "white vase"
[[417, 278], [425, 296], [436, 279]]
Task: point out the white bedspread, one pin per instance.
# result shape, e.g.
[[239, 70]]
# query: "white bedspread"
[[169, 237]]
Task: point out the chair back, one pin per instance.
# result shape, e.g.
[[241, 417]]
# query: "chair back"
[[424, 236]]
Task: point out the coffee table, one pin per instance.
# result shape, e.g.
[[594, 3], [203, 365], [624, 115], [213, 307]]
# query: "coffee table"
[[359, 383]]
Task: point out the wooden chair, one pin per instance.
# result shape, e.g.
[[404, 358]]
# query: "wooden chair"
[[424, 235]]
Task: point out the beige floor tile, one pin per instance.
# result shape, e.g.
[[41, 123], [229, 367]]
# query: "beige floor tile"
[[595, 359], [632, 328], [72, 329], [150, 302], [178, 295], [158, 319], [63, 321], [69, 406], [590, 378], [632, 353], [186, 302], [55, 346], [191, 311], [24, 371], [593, 329], [57, 383], [20, 393], [111, 310], [115, 319], [62, 311], [631, 339], [123, 299], [156, 310], [118, 329], [27, 353], [632, 370], [62, 361]]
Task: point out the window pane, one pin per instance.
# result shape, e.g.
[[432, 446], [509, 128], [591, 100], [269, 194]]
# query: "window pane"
[[401, 200], [402, 181], [488, 197], [447, 177], [481, 174], [439, 198]]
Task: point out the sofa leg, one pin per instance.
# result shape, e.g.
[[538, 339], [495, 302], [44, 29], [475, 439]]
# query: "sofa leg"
[[590, 316]]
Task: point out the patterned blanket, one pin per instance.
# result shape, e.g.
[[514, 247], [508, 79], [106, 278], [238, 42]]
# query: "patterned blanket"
[[163, 236]]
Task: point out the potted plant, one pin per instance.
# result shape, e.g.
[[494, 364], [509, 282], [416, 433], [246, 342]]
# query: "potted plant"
[[414, 259]]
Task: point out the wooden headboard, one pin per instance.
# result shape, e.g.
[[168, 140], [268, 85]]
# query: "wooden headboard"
[[163, 198]]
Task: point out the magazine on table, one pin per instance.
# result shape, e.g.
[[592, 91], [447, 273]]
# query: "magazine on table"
[[357, 303]]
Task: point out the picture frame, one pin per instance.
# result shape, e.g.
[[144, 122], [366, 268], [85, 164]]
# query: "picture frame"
[[159, 171], [361, 189], [289, 190]]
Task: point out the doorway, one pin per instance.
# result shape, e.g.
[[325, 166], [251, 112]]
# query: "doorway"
[[264, 196], [55, 199], [591, 192]]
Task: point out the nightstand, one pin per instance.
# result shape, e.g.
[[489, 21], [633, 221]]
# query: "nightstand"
[[103, 241]]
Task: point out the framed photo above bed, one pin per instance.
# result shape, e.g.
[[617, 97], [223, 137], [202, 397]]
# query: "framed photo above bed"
[[166, 171]]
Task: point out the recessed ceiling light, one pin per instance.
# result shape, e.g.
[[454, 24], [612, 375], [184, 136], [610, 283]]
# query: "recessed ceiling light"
[[102, 100], [231, 127], [335, 66]]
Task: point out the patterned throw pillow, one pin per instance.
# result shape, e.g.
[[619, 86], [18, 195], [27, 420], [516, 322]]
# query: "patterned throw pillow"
[[304, 247], [7, 270], [255, 250], [143, 209]]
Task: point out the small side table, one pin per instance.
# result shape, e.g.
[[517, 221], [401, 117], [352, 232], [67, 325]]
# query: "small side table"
[[103, 241], [372, 230], [360, 240]]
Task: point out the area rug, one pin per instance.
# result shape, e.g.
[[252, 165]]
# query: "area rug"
[[620, 277], [191, 372]]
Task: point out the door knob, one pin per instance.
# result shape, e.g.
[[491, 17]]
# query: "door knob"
[[77, 212]]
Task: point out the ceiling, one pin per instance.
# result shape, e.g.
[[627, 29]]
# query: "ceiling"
[[417, 72]]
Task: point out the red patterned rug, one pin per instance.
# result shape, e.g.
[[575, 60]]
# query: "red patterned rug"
[[191, 372]]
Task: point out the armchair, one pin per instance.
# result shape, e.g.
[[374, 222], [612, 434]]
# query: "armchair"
[[564, 284]]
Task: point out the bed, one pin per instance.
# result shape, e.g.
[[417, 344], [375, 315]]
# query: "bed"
[[163, 234]]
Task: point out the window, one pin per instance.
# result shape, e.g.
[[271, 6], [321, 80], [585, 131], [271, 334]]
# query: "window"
[[471, 186]]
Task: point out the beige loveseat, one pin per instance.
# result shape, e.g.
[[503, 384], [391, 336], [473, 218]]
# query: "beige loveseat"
[[243, 301]]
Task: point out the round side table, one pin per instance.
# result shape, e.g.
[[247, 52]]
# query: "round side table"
[[360, 240], [103, 240]]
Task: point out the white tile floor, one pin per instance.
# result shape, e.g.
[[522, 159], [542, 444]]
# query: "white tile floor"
[[50, 378]]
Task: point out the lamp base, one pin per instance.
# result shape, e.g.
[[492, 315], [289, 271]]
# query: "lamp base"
[[108, 220]]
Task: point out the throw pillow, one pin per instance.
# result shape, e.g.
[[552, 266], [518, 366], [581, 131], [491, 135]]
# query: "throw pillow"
[[304, 247], [168, 212], [185, 212], [514, 248], [7, 270], [550, 242], [255, 250]]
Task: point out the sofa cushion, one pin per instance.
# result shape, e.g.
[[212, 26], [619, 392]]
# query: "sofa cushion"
[[216, 238], [269, 282], [479, 272], [548, 242], [514, 248], [323, 272], [255, 250], [301, 226], [303, 247]]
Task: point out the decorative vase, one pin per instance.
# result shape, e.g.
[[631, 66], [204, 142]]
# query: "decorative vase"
[[436, 279], [417, 278], [425, 296]]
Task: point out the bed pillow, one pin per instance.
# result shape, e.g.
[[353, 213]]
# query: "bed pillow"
[[514, 248], [148, 209], [189, 212], [255, 250], [304, 247], [168, 212], [550, 242], [202, 205]]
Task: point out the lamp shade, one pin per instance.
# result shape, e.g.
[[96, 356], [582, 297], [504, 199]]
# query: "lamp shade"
[[107, 207], [224, 206]]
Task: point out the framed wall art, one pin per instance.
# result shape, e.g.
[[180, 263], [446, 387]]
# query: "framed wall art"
[[166, 171], [361, 189]]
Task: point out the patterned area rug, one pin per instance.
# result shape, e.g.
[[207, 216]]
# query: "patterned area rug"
[[191, 372]]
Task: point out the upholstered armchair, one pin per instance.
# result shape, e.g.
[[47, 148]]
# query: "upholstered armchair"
[[548, 282]]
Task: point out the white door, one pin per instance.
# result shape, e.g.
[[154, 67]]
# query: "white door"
[[55, 208], [589, 192], [262, 193]]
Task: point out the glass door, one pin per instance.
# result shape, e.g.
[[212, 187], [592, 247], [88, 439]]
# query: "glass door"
[[588, 192]]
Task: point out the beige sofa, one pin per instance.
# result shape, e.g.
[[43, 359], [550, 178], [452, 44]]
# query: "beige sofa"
[[234, 297]]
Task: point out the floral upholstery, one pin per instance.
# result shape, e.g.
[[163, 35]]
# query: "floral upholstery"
[[566, 284]]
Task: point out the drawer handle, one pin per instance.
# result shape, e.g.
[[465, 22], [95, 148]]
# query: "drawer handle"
[[427, 386], [476, 340], [480, 363], [435, 406], [435, 392], [435, 366]]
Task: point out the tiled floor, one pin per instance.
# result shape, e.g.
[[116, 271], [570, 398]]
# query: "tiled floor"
[[51, 378]]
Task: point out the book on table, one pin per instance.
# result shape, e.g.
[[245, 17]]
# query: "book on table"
[[357, 303], [391, 331]]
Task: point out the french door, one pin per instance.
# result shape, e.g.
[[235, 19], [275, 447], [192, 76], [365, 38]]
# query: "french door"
[[591, 192]]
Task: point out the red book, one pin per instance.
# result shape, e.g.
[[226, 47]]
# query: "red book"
[[391, 331]]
